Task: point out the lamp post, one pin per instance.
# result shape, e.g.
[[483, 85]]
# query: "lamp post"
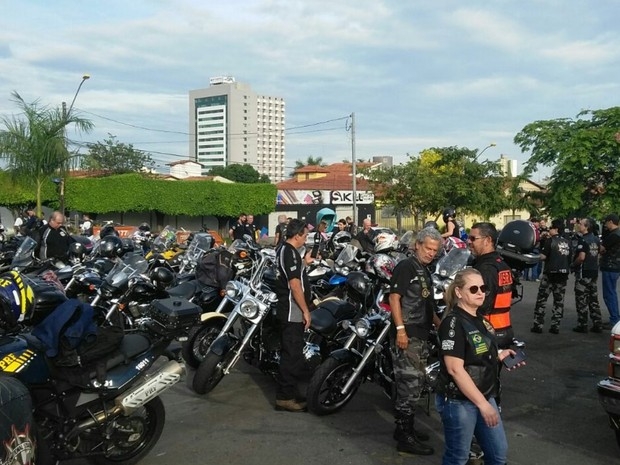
[[65, 115], [492, 144]]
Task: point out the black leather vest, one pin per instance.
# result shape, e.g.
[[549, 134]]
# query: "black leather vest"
[[559, 258]]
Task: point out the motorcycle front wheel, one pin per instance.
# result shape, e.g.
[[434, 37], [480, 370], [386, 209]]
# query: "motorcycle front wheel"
[[132, 437], [324, 390], [199, 340], [210, 372]]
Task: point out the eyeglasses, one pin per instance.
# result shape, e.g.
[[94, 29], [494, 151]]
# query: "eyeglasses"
[[473, 238], [474, 289]]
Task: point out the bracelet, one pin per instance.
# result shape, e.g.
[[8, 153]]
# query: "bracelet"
[[399, 327]]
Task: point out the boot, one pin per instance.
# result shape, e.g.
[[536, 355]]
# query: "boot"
[[407, 442]]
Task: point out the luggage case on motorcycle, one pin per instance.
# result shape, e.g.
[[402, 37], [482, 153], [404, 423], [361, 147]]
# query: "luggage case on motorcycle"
[[516, 244], [175, 313]]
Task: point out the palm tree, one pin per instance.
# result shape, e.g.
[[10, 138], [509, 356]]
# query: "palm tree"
[[310, 161], [35, 148]]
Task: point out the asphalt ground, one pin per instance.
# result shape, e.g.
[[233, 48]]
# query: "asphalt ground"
[[550, 411]]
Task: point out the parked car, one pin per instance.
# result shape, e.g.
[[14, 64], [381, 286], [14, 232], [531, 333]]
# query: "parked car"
[[609, 388]]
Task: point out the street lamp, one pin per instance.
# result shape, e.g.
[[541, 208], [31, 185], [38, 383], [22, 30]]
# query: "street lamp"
[[65, 115], [492, 144]]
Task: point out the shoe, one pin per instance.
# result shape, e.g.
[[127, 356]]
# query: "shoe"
[[554, 330], [400, 435], [414, 446], [290, 405], [580, 329], [598, 328], [536, 329]]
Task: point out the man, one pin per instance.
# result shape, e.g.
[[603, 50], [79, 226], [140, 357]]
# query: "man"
[[351, 227], [610, 267], [366, 236], [55, 239], [293, 313], [497, 275], [585, 266], [18, 224], [251, 227], [280, 236], [556, 255], [86, 228], [239, 229], [413, 313]]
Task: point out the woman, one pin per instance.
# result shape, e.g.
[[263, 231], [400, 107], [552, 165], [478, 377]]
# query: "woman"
[[469, 377]]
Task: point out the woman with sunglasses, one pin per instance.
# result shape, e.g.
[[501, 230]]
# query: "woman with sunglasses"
[[468, 381]]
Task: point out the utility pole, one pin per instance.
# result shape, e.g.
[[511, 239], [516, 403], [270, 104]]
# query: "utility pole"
[[354, 169]]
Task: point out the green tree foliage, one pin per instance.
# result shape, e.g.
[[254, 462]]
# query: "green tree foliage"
[[585, 156], [115, 157], [441, 177], [35, 145], [134, 192], [310, 161], [245, 174]]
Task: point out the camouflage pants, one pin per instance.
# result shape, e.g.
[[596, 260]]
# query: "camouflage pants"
[[586, 300], [409, 374], [557, 287]]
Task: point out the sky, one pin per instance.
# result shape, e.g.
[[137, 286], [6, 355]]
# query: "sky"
[[416, 74]]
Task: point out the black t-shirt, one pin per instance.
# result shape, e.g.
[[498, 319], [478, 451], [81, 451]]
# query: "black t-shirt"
[[290, 266], [367, 240], [589, 244], [471, 339], [281, 232], [239, 230]]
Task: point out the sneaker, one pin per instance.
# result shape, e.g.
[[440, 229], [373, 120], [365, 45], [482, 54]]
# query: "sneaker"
[[580, 329], [536, 329], [290, 405], [554, 330], [597, 328]]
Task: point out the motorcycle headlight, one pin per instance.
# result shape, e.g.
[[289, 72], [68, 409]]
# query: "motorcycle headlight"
[[362, 328], [232, 290], [248, 308]]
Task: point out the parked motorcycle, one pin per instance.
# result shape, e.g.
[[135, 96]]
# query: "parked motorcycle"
[[109, 411]]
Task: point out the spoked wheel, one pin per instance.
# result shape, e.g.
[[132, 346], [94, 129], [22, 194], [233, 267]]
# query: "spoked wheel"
[[210, 372], [324, 390], [199, 340], [132, 437]]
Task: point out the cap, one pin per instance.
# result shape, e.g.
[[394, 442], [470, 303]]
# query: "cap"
[[557, 224], [613, 218]]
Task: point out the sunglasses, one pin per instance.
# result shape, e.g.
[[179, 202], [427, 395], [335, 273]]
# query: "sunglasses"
[[474, 289], [473, 238]]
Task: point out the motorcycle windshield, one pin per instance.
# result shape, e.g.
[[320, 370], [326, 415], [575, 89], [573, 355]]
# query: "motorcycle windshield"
[[165, 239], [452, 262], [238, 244], [347, 255], [123, 271], [25, 253], [198, 246]]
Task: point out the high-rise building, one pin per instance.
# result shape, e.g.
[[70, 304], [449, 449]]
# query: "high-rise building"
[[230, 123]]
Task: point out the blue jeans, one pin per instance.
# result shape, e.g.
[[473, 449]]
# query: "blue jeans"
[[610, 294], [461, 420]]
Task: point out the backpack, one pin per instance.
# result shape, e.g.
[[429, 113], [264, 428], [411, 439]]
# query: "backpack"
[[215, 269]]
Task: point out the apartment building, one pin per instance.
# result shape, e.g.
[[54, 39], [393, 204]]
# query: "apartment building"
[[230, 123]]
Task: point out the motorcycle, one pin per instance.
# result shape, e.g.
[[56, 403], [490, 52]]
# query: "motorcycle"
[[108, 412], [201, 243]]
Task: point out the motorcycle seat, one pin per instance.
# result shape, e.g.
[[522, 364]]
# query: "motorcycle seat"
[[184, 290], [131, 345]]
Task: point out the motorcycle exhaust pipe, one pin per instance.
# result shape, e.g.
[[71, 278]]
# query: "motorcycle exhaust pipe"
[[167, 376]]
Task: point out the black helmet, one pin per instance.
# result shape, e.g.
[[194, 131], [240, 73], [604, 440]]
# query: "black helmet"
[[111, 247], [127, 245], [357, 285], [16, 300], [162, 276], [144, 227], [76, 252], [108, 230], [447, 213], [432, 224]]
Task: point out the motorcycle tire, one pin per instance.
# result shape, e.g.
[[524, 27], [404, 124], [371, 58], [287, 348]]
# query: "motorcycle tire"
[[139, 432], [209, 372], [324, 396], [199, 340]]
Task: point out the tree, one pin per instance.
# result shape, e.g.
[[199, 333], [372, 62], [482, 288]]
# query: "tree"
[[310, 161], [245, 174], [115, 157], [585, 156], [35, 148]]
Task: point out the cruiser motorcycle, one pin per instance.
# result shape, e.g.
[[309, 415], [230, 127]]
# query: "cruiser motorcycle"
[[109, 412]]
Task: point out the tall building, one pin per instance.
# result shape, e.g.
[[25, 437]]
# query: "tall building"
[[230, 124]]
